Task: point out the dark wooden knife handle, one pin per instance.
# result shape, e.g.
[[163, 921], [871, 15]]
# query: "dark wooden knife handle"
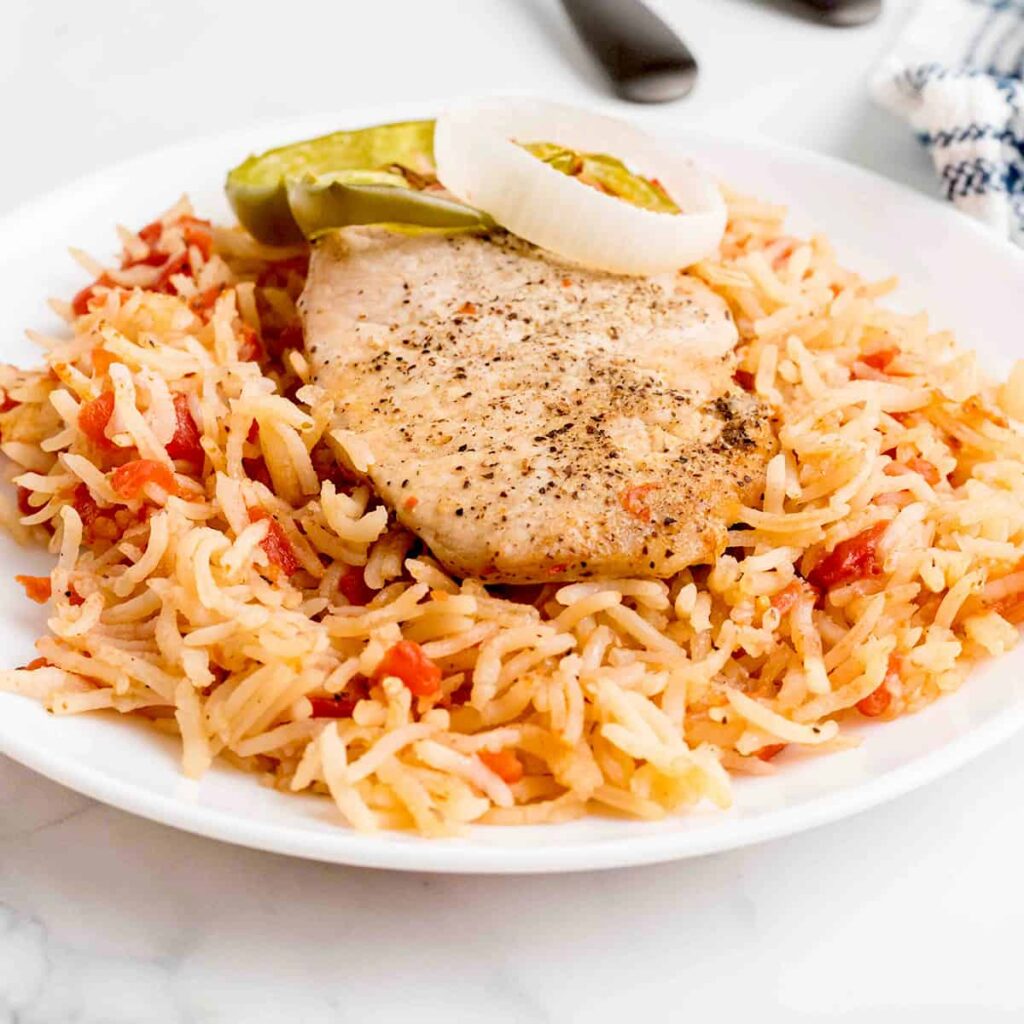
[[843, 13], [644, 59]]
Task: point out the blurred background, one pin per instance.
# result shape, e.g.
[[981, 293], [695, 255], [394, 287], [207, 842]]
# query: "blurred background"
[[87, 84]]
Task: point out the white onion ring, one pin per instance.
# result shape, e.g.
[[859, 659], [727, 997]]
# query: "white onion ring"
[[479, 161]]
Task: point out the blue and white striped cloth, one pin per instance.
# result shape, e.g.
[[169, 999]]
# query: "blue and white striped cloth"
[[957, 75]]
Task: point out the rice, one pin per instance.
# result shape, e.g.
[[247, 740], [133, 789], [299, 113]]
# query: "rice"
[[248, 593]]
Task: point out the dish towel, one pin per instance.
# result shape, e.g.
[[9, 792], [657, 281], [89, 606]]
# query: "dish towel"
[[957, 75]]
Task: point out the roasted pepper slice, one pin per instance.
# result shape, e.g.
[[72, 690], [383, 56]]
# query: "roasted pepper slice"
[[319, 206], [378, 175], [606, 173]]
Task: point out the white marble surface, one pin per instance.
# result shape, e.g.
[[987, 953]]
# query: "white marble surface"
[[910, 912]]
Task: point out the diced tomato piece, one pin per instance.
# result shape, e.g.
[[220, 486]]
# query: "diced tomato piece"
[[37, 663], [205, 301], [130, 479], [894, 673], [878, 701], [74, 597], [504, 763], [745, 379], [23, 506], [406, 661], [410, 503], [153, 258], [880, 358], [459, 695], [175, 265], [766, 753], [85, 505], [37, 588], [353, 586], [875, 702], [101, 360], [633, 500], [1011, 608], [276, 544], [339, 706], [852, 559], [93, 418], [80, 303], [256, 469], [185, 444], [198, 233], [81, 299], [151, 233]]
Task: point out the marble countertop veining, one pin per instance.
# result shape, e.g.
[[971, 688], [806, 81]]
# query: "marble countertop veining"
[[912, 911], [912, 908]]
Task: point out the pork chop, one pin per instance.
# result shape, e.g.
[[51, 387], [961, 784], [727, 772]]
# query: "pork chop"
[[532, 420]]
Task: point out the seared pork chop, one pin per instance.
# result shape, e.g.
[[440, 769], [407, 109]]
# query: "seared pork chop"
[[531, 420]]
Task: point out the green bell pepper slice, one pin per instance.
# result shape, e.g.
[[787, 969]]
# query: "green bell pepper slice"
[[383, 175], [606, 173]]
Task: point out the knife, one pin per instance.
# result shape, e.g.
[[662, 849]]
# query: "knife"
[[844, 13], [645, 61]]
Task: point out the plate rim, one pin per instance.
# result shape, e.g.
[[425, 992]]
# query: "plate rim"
[[408, 853], [401, 852]]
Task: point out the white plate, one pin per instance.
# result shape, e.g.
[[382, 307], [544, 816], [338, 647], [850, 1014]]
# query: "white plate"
[[967, 279]]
